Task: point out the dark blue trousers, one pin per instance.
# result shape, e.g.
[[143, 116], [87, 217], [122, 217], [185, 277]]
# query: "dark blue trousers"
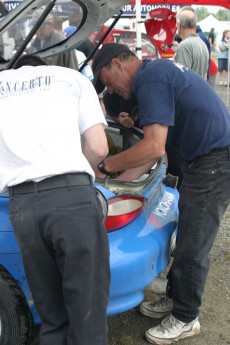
[[65, 252], [204, 197]]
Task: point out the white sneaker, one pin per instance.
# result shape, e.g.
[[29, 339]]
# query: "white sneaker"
[[171, 330], [220, 83], [157, 309]]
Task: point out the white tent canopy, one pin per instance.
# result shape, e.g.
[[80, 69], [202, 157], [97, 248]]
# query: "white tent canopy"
[[219, 26]]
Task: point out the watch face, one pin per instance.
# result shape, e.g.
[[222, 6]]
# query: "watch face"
[[102, 168], [135, 114]]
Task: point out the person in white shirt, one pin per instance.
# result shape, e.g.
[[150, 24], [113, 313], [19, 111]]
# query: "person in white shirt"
[[87, 70], [51, 145]]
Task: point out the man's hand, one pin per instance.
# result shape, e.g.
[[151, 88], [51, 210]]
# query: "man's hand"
[[98, 174], [125, 120]]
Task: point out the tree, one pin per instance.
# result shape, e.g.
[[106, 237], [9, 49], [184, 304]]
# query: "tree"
[[222, 14], [201, 13]]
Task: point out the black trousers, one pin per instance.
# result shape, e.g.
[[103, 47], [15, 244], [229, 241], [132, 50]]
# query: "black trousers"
[[204, 197], [175, 165], [65, 252]]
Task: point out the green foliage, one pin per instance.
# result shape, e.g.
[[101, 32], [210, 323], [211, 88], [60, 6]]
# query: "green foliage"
[[223, 14], [202, 12]]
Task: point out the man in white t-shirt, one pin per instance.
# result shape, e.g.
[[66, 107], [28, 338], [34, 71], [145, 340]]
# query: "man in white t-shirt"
[[54, 208]]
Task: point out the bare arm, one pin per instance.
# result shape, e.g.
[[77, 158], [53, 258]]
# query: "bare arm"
[[134, 173], [143, 155], [95, 147]]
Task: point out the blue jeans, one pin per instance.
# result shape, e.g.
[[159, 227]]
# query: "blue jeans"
[[204, 197]]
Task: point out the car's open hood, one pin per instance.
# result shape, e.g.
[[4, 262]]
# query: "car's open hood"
[[88, 14]]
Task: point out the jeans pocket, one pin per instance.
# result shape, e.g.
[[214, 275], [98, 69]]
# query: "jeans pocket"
[[224, 185], [224, 165], [203, 166]]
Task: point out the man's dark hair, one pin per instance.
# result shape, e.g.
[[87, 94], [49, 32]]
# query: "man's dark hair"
[[29, 60]]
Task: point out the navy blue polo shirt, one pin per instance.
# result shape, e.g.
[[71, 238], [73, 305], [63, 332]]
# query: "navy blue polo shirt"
[[173, 95]]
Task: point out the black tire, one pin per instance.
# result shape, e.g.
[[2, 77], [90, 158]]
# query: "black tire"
[[16, 321]]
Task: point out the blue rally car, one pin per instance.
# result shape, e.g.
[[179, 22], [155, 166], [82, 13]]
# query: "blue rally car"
[[141, 216]]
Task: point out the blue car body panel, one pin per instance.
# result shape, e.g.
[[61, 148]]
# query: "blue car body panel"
[[139, 252]]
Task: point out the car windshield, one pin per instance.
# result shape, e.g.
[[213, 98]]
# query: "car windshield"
[[129, 39], [65, 17]]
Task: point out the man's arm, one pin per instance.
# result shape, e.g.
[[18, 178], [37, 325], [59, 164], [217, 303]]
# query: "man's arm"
[[183, 57], [134, 173], [142, 156], [95, 147]]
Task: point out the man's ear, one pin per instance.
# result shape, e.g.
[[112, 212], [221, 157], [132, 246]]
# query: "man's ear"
[[118, 64]]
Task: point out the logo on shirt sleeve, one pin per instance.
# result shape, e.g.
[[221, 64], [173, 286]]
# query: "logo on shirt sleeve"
[[180, 66]]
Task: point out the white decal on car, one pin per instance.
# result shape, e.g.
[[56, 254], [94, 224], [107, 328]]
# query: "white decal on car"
[[164, 205]]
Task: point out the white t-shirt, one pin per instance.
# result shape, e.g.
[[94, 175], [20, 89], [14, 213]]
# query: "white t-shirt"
[[87, 70], [42, 110]]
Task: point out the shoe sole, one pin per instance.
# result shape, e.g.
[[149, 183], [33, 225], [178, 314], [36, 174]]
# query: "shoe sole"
[[193, 333], [156, 315]]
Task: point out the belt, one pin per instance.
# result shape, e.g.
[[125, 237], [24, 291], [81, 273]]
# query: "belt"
[[219, 151], [58, 181]]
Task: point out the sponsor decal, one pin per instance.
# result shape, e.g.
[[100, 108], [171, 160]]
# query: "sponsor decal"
[[164, 205], [130, 9], [163, 55], [153, 219]]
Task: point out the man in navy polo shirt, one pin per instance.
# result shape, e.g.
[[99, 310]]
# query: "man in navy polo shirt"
[[177, 107]]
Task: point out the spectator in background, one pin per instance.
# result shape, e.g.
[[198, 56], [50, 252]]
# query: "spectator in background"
[[120, 110], [204, 38], [85, 47], [47, 37], [223, 58], [211, 38], [201, 34], [212, 72], [87, 70], [192, 51], [57, 23]]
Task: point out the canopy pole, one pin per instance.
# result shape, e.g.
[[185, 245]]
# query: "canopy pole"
[[138, 29], [228, 75]]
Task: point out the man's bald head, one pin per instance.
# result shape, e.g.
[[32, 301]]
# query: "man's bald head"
[[187, 19]]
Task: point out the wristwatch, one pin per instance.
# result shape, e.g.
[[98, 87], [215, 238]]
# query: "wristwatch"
[[101, 168]]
